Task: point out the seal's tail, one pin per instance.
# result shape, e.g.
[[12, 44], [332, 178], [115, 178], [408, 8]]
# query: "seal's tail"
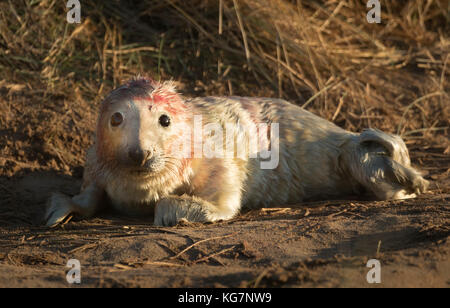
[[382, 165]]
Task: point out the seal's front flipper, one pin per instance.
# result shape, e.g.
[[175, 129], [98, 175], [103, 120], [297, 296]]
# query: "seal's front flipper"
[[84, 205], [59, 208], [170, 210]]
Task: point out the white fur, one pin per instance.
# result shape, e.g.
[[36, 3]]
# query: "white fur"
[[317, 160]]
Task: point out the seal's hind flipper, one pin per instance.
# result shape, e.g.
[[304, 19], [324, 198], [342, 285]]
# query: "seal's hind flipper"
[[382, 165]]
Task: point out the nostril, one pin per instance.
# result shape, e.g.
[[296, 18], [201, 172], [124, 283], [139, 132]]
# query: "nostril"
[[148, 154], [136, 155], [139, 156]]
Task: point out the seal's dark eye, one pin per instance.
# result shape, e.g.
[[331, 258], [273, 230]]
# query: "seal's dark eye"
[[116, 119], [164, 120]]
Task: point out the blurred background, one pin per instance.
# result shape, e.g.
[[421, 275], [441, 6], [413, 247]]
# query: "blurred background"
[[322, 55]]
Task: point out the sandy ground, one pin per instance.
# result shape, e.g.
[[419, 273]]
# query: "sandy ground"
[[320, 244]]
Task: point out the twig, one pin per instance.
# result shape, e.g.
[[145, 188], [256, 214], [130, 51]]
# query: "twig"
[[324, 89], [338, 213], [214, 254], [132, 265], [199, 242], [355, 214], [260, 277], [162, 263], [84, 247], [241, 26], [275, 209], [338, 109], [286, 57], [414, 103], [279, 72], [378, 248], [425, 130], [220, 17], [131, 50], [335, 12]]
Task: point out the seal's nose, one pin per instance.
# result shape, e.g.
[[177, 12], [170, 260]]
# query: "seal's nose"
[[138, 155]]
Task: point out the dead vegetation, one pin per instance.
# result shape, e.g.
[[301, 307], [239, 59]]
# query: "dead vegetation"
[[322, 55]]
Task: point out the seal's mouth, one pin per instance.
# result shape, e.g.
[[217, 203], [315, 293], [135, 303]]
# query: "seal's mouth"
[[150, 168], [140, 172]]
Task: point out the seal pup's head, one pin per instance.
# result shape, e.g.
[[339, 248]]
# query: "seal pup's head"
[[138, 124]]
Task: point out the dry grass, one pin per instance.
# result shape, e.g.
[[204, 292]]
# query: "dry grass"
[[322, 55]]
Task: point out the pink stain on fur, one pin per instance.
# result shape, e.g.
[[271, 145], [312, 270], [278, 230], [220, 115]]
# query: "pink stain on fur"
[[160, 95]]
